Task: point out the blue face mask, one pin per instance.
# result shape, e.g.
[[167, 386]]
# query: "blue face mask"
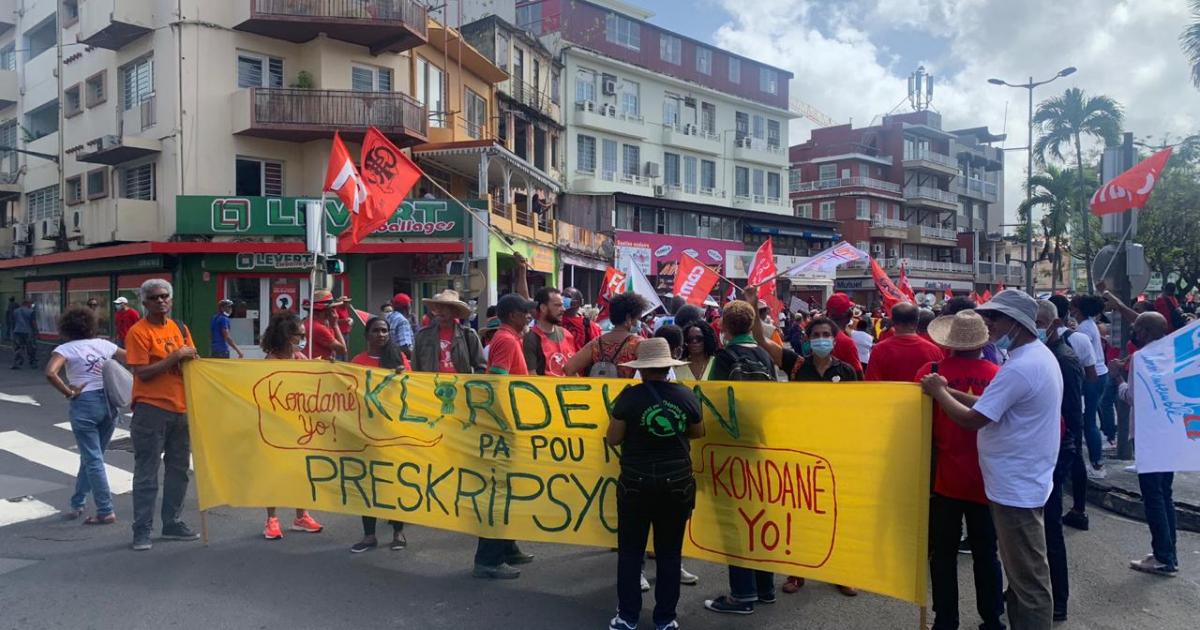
[[1005, 342], [1042, 334], [566, 303], [822, 347]]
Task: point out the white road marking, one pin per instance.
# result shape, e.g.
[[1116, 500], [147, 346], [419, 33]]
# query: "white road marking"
[[118, 432], [60, 459], [20, 399], [24, 509]]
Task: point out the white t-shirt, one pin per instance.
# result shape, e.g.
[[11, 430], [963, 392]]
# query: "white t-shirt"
[[1088, 327], [85, 361], [1082, 346], [1019, 447], [864, 341]]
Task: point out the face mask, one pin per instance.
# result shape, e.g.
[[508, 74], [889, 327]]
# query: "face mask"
[[636, 327], [1042, 334], [822, 347], [567, 303], [1005, 342]]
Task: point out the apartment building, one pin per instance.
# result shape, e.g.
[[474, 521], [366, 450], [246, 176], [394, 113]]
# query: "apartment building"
[[673, 144], [908, 192], [183, 139]]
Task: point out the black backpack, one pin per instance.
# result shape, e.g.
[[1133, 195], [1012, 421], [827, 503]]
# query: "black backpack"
[[748, 364]]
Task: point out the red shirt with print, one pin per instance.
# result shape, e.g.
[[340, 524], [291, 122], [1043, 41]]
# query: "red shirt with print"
[[445, 342], [557, 353], [956, 457], [899, 357], [322, 339], [505, 355]]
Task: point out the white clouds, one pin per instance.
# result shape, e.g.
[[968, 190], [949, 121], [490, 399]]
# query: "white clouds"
[[1126, 49]]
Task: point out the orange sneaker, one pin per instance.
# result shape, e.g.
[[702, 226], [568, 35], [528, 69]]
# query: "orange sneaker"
[[271, 530], [306, 523]]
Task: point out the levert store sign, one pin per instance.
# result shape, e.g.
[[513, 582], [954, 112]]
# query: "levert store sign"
[[284, 216]]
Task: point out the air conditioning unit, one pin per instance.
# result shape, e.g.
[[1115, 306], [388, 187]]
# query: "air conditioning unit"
[[608, 109], [608, 85], [20, 233], [658, 191], [651, 169], [588, 106], [76, 222], [877, 249], [51, 228], [689, 129], [747, 142], [894, 252], [108, 142], [689, 101]]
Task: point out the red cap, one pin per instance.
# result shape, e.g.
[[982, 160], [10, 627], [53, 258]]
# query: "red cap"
[[402, 299], [838, 304]]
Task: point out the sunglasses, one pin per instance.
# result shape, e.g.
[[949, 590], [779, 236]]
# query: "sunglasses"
[[161, 297]]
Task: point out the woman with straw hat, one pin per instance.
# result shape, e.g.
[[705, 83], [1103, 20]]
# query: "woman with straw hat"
[[958, 482], [653, 422]]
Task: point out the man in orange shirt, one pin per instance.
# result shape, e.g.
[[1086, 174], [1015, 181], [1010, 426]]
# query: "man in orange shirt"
[[155, 348]]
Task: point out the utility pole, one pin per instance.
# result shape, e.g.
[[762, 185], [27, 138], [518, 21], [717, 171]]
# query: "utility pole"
[[1123, 290]]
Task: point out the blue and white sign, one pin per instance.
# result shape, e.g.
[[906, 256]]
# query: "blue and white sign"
[[1166, 382]]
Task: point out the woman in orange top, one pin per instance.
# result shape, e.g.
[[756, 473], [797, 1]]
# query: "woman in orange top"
[[282, 341]]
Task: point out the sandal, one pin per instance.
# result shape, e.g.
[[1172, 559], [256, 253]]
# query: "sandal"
[[107, 519], [793, 584], [72, 514], [848, 591]]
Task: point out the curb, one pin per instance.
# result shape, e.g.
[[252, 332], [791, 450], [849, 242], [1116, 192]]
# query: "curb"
[[1129, 504]]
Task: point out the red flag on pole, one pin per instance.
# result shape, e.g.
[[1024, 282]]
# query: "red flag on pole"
[[363, 316], [987, 295], [614, 284], [948, 295], [905, 287], [388, 175], [1132, 188], [763, 269], [733, 293], [342, 178], [975, 297], [693, 280], [890, 292]]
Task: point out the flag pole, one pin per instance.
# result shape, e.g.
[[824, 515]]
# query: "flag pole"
[[1113, 259], [471, 211], [312, 283]]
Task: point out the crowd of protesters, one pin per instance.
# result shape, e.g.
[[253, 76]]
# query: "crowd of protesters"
[[1025, 394]]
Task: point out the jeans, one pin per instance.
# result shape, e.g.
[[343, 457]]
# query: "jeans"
[[945, 529], [750, 585], [1022, 539], [661, 495], [1092, 392], [491, 552], [1079, 480], [158, 435], [1160, 515], [92, 422], [24, 343], [1108, 409], [1056, 545], [369, 526]]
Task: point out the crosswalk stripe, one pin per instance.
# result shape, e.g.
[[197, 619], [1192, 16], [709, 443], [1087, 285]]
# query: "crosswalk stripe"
[[18, 510], [118, 432], [60, 459]]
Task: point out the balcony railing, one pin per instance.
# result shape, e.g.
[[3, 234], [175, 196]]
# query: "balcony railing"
[[845, 182], [881, 221], [931, 156], [326, 111], [937, 232], [928, 192], [382, 25], [530, 96], [975, 188]]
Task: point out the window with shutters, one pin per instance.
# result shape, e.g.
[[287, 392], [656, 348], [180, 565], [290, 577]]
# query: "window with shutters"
[[623, 31], [670, 49], [431, 91], [258, 178], [828, 210], [767, 81], [72, 101], [741, 124], [94, 90], [608, 159], [587, 153], [703, 60], [773, 134], [74, 190], [827, 171], [741, 181], [137, 82], [631, 99], [97, 183], [369, 79], [862, 208], [476, 114], [632, 160], [42, 203], [259, 71], [137, 182], [585, 86], [773, 186], [8, 57], [671, 169], [758, 184], [708, 118], [690, 167], [735, 70], [8, 138], [708, 176], [804, 210]]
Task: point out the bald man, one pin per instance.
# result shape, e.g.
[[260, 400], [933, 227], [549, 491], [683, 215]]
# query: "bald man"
[[1156, 487]]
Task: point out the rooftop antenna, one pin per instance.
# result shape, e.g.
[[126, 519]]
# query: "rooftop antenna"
[[920, 89]]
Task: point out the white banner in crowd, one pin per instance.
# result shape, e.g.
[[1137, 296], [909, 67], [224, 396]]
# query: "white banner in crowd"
[[1166, 382], [829, 260]]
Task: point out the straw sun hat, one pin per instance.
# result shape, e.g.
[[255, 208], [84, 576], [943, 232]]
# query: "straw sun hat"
[[450, 298], [653, 353], [964, 330]]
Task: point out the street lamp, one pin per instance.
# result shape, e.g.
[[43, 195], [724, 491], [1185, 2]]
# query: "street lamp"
[[1029, 172]]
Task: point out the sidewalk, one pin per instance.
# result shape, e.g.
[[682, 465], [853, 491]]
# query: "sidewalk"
[[1119, 492]]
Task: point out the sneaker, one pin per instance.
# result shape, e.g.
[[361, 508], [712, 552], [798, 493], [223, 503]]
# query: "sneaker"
[[793, 585], [399, 542], [645, 584], [514, 559], [688, 578], [1060, 614], [1110, 443], [726, 604], [364, 545], [141, 542], [498, 572], [1151, 565], [306, 523], [767, 599], [1077, 520], [272, 531], [1132, 468], [1096, 472], [618, 623], [964, 546], [672, 625], [179, 531]]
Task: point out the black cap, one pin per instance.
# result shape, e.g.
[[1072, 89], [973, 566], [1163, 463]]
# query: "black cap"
[[513, 303]]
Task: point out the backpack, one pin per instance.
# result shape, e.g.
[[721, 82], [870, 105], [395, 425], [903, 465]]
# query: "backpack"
[[747, 365], [605, 366]]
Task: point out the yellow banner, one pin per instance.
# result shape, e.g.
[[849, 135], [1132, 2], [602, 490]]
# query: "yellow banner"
[[827, 481]]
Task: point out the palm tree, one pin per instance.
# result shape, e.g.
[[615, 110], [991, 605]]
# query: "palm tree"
[[1063, 121], [1054, 190], [1190, 41]]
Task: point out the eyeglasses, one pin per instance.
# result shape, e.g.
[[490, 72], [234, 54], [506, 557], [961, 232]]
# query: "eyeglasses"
[[161, 297]]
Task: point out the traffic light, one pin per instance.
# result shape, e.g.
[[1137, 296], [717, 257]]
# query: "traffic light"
[[334, 266]]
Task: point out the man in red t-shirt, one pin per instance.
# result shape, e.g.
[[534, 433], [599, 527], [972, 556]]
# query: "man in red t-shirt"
[[494, 557], [548, 346], [1167, 305], [898, 357], [326, 342], [582, 328], [958, 491], [838, 308], [125, 318]]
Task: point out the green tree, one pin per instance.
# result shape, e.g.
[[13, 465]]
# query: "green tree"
[[1054, 190], [1169, 225], [1190, 41], [1063, 121]]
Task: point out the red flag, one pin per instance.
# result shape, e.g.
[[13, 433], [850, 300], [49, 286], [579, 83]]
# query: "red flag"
[[342, 178], [948, 295], [1132, 188], [763, 268], [614, 284], [987, 296], [905, 287], [733, 293], [999, 287], [693, 280], [975, 297], [363, 316], [890, 292], [388, 175]]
